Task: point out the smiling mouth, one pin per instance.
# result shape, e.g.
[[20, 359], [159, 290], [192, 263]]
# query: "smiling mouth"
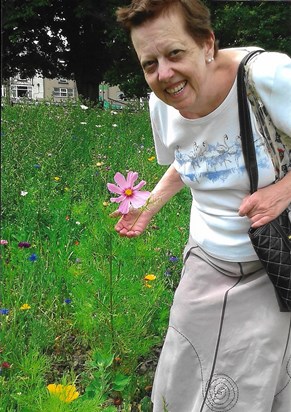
[[177, 89]]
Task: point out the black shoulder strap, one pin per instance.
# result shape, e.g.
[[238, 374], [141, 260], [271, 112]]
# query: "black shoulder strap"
[[246, 131]]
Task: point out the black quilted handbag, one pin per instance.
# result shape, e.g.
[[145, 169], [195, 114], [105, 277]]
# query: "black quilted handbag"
[[272, 242]]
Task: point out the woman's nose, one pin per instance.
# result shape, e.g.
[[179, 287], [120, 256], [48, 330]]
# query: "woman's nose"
[[165, 71]]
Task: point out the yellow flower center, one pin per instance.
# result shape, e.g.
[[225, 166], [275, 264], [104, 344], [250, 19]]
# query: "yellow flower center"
[[128, 192]]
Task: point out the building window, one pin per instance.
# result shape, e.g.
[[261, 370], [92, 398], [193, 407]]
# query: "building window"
[[21, 91], [63, 92], [23, 80]]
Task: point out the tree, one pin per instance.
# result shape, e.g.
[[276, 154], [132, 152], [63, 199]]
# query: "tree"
[[59, 38], [258, 23]]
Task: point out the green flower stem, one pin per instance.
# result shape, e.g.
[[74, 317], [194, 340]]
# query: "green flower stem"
[[142, 209]]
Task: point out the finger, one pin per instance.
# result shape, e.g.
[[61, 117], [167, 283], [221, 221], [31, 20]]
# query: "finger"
[[127, 233], [245, 206], [115, 214], [260, 222]]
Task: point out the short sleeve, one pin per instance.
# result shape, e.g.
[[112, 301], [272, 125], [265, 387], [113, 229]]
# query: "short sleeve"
[[159, 120], [271, 74]]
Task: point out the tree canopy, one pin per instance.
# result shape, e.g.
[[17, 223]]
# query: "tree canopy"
[[73, 39], [80, 39], [252, 23]]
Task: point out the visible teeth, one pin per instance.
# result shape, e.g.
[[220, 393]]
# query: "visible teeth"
[[177, 89]]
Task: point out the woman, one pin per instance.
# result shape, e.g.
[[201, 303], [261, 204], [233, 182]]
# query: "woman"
[[228, 345]]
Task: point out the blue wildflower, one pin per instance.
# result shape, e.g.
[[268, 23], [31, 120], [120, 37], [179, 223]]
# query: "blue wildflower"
[[4, 311], [68, 301], [32, 257], [173, 259]]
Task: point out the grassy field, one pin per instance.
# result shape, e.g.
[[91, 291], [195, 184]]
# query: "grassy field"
[[78, 318]]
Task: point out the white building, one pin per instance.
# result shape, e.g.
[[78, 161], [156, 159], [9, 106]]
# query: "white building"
[[56, 90]]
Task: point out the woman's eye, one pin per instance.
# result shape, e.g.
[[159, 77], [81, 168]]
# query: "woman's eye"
[[148, 66], [174, 53]]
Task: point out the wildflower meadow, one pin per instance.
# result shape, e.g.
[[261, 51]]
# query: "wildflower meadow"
[[83, 312]]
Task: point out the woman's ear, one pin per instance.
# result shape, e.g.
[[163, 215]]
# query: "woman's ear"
[[209, 46]]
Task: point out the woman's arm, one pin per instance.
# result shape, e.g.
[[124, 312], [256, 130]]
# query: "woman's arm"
[[268, 202], [135, 222]]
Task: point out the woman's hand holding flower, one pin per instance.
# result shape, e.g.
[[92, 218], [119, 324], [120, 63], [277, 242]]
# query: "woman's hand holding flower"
[[133, 223], [134, 220]]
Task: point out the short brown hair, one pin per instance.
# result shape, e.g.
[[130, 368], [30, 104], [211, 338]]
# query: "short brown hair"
[[195, 13]]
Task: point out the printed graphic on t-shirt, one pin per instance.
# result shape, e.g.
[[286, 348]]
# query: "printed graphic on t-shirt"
[[216, 162]]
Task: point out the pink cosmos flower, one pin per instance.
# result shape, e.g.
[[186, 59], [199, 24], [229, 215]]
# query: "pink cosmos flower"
[[130, 195]]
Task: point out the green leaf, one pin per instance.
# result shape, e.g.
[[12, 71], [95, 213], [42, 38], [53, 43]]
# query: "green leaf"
[[145, 404], [120, 382], [103, 359]]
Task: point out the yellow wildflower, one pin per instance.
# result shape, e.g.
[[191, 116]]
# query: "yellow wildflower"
[[66, 393], [25, 306], [151, 159], [99, 164], [150, 277], [57, 178], [105, 204]]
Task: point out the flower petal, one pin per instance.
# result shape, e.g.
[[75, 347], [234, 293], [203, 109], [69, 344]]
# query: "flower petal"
[[114, 189], [150, 277], [120, 180], [53, 388], [69, 394], [139, 185], [117, 199], [131, 178], [139, 199], [124, 206]]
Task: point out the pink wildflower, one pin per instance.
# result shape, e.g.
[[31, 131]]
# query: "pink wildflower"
[[129, 195]]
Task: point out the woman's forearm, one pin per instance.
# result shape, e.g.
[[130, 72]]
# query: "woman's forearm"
[[167, 187], [285, 188]]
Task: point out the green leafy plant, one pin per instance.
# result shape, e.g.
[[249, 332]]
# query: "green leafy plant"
[[105, 380]]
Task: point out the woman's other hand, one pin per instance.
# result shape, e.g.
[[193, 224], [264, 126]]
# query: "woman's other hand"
[[267, 203]]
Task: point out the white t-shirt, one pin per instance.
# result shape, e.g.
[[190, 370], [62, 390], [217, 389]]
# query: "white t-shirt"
[[208, 155]]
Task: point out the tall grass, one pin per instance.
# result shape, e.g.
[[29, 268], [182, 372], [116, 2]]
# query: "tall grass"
[[89, 316]]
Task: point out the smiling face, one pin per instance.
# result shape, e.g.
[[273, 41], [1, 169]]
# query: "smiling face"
[[174, 64]]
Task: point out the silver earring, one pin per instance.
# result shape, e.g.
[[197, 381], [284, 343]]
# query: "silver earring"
[[210, 60]]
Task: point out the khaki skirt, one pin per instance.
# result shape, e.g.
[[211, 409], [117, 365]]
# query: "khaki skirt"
[[228, 346]]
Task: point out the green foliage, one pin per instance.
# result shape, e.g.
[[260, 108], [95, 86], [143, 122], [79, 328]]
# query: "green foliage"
[[90, 317], [252, 23], [104, 379]]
